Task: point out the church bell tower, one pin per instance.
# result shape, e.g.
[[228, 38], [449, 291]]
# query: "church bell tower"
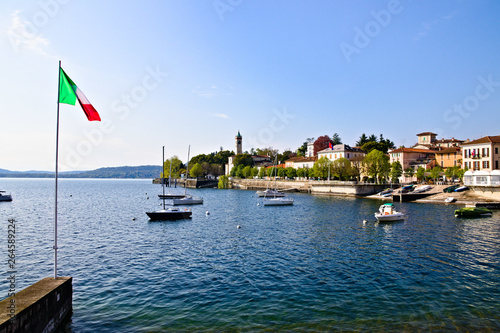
[[239, 149]]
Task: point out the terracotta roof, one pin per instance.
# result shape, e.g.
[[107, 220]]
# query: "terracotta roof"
[[449, 150], [485, 139], [449, 140], [412, 150], [341, 147], [426, 133], [302, 159]]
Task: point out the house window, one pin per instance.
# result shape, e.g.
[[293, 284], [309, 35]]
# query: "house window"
[[496, 164], [496, 150], [486, 164], [442, 164], [448, 155]]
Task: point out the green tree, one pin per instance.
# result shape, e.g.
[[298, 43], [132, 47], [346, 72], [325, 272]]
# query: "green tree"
[[336, 140], [247, 172], [196, 171], [453, 172], [396, 171], [243, 159], [262, 172], [311, 173], [176, 167], [281, 172], [223, 182], [377, 164], [362, 140], [357, 167], [291, 172], [321, 167], [341, 168], [420, 174], [435, 172], [409, 172]]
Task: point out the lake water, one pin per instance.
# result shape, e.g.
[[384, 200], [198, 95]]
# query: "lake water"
[[309, 267]]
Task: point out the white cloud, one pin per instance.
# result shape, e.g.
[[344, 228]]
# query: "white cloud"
[[221, 115], [22, 34]]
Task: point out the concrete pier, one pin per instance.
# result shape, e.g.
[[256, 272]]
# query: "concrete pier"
[[41, 307]]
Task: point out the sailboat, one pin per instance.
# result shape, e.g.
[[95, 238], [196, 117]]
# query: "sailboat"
[[277, 200], [5, 197], [168, 213], [188, 199], [170, 195]]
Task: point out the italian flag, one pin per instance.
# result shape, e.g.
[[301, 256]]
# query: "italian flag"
[[69, 93]]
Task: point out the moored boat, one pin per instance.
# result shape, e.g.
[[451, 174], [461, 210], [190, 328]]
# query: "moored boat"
[[473, 212], [278, 202], [5, 197], [450, 199], [387, 213], [169, 214], [188, 200]]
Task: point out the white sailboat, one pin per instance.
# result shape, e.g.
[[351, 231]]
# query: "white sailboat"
[[5, 197], [188, 199], [276, 200]]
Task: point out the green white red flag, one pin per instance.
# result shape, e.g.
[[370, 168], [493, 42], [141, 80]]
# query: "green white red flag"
[[69, 93]]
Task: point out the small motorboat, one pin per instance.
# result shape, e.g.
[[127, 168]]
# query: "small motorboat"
[[473, 212], [5, 197], [422, 189], [270, 193], [385, 192], [450, 199], [278, 202], [461, 189], [170, 214], [387, 213]]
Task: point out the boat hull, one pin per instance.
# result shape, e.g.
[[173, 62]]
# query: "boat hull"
[[171, 196], [278, 202], [390, 217], [6, 197], [167, 214], [188, 201], [473, 212]]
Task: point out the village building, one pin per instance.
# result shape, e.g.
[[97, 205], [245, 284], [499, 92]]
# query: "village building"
[[426, 140], [449, 157], [341, 151], [301, 162], [482, 154]]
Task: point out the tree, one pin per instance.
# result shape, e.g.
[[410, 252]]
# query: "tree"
[[377, 164], [291, 172], [262, 172], [420, 174], [452, 172], [357, 167], [381, 144], [362, 140], [243, 159], [247, 172], [435, 172], [196, 171], [255, 172], [301, 151], [396, 171], [223, 182], [409, 172], [321, 167], [285, 155], [281, 172], [322, 143], [342, 169], [336, 140], [176, 167], [301, 172]]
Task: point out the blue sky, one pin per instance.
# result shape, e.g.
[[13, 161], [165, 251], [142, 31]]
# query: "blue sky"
[[176, 73]]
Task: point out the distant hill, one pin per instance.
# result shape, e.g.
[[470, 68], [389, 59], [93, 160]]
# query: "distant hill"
[[142, 171]]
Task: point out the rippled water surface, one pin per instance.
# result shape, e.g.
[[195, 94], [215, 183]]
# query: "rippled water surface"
[[311, 267]]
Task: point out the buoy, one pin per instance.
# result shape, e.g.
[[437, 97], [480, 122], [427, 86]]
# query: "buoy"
[[147, 198], [258, 204], [71, 195], [238, 227], [133, 219], [207, 213], [364, 221]]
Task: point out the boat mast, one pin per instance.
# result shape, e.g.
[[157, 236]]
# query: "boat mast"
[[187, 171], [163, 175]]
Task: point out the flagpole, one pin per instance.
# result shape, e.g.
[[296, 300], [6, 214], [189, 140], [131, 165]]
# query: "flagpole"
[[57, 170]]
